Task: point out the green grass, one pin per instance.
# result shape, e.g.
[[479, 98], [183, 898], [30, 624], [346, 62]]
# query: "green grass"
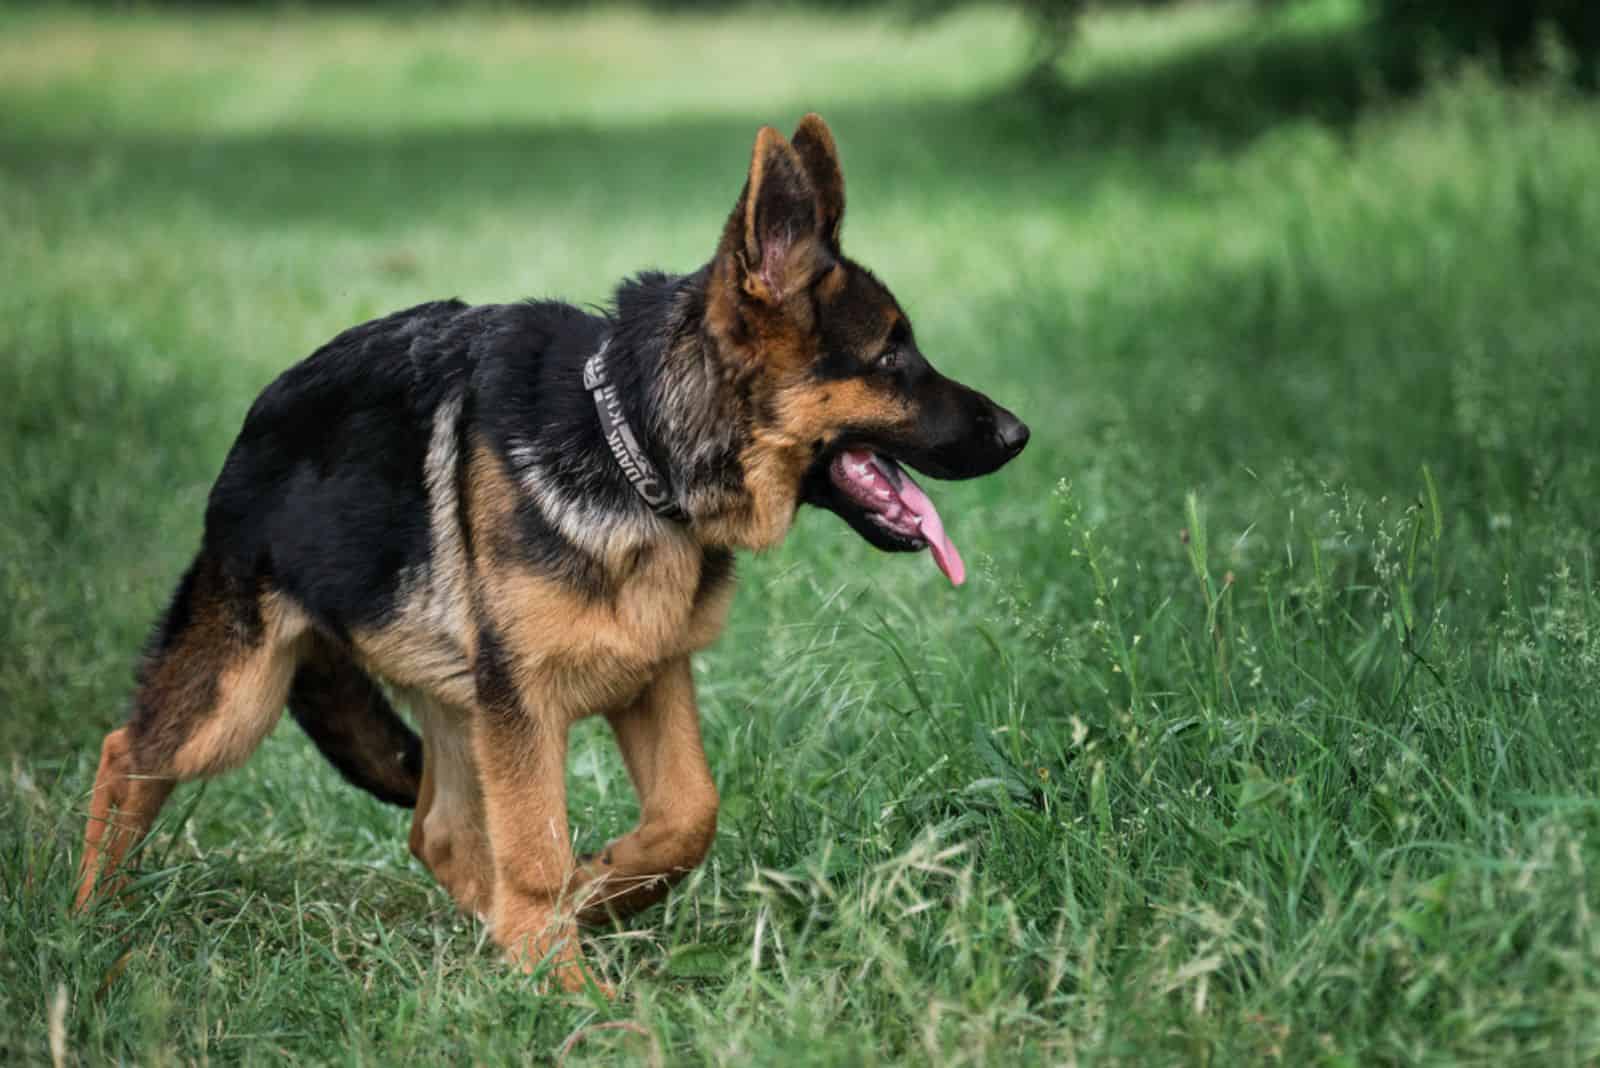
[[1266, 731]]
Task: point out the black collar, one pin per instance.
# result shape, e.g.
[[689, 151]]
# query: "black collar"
[[647, 481]]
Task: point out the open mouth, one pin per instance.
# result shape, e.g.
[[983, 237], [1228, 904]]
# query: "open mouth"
[[892, 500]]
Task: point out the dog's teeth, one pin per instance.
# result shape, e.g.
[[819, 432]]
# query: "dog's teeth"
[[883, 495], [916, 520]]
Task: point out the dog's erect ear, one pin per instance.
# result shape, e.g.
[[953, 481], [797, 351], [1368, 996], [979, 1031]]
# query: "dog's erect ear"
[[814, 142], [773, 234]]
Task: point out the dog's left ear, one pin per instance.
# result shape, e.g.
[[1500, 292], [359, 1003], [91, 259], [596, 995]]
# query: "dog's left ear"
[[814, 143], [774, 236]]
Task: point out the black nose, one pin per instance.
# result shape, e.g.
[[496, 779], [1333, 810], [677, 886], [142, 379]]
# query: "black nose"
[[1011, 432]]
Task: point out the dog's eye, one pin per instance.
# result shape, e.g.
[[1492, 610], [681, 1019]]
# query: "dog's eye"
[[891, 360]]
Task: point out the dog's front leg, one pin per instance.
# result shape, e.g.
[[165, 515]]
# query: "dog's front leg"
[[659, 735], [521, 752]]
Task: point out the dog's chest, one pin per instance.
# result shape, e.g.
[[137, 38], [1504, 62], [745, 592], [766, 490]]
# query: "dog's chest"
[[588, 654]]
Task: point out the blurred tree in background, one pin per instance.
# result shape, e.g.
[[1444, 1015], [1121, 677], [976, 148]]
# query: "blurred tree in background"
[[1517, 36]]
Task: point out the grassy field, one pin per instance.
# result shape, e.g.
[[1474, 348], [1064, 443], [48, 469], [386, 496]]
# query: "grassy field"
[[1266, 730]]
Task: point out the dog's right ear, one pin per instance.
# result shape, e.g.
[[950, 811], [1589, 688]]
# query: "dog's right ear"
[[773, 239]]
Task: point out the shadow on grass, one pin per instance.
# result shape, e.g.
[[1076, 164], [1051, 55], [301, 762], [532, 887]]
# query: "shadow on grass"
[[1231, 89], [1005, 147]]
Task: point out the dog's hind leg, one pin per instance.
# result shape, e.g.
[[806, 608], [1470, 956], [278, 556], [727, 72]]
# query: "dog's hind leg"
[[212, 686], [659, 735], [345, 713], [449, 832]]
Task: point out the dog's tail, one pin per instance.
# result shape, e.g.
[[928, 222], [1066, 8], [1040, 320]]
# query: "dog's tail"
[[346, 714]]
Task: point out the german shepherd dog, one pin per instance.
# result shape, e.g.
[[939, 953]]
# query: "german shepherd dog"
[[515, 516]]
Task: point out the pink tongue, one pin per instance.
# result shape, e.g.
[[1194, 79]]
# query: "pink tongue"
[[943, 549]]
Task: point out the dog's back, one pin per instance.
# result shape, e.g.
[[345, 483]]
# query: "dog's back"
[[322, 493]]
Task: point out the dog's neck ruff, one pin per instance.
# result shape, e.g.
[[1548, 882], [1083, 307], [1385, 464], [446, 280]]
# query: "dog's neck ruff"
[[647, 482]]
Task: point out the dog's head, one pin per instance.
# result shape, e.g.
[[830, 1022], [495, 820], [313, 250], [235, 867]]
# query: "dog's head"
[[841, 395]]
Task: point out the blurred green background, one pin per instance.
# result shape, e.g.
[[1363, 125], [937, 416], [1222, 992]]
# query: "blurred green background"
[[1265, 730]]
